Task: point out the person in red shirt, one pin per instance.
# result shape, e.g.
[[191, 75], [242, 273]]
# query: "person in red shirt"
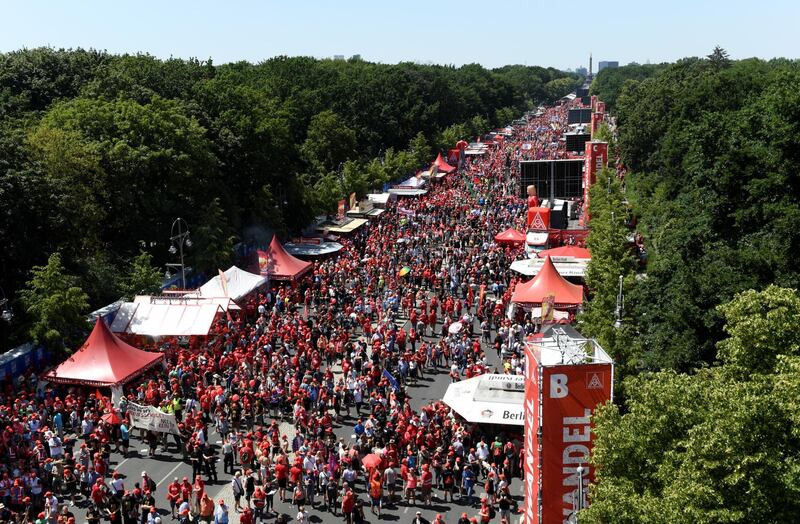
[[186, 489], [294, 474], [281, 475], [198, 489], [259, 502], [98, 494], [173, 494], [426, 480], [348, 505], [246, 517]]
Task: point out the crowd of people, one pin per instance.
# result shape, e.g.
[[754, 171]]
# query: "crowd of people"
[[338, 348]]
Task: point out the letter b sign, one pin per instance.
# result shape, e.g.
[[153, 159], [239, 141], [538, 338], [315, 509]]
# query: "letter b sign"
[[558, 386]]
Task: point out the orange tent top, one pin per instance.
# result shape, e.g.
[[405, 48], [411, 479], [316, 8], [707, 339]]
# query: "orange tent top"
[[103, 360], [277, 264], [566, 251], [548, 281], [511, 236], [442, 165]]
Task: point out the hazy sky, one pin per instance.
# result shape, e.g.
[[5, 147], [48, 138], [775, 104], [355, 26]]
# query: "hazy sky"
[[554, 33]]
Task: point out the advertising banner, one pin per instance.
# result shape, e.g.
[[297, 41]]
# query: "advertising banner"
[[149, 417], [595, 159], [570, 393], [530, 459]]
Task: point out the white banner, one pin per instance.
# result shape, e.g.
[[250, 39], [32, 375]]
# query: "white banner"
[[149, 417]]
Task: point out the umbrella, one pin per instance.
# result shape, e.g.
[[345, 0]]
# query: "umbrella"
[[455, 327], [403, 272], [112, 418], [371, 461]]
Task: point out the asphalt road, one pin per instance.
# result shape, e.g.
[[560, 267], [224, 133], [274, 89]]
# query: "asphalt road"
[[167, 465]]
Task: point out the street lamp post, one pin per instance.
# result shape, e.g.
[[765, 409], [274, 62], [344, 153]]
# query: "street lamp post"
[[620, 309], [581, 470], [179, 236], [6, 314]]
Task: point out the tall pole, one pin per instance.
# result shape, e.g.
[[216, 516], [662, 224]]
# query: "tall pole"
[[178, 240], [183, 266], [579, 505]]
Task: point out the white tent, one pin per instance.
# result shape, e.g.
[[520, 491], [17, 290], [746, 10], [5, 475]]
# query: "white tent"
[[237, 284], [161, 317], [488, 399], [531, 266], [413, 182]]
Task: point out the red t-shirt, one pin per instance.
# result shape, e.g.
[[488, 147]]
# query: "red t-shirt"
[[281, 471]]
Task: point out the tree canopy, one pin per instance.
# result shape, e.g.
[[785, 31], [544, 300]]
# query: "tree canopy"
[[100, 152], [716, 446], [713, 155]]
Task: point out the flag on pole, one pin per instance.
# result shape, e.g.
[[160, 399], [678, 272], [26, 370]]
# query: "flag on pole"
[[392, 380]]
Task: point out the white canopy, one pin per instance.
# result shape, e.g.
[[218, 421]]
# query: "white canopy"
[[531, 266], [169, 317], [488, 399], [405, 191], [237, 284], [413, 182]]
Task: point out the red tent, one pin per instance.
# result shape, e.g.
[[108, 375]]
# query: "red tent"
[[548, 281], [443, 166], [277, 264], [566, 251], [510, 236], [103, 360]]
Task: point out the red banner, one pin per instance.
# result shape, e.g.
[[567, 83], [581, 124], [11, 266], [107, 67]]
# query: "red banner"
[[570, 393], [597, 119], [263, 262], [531, 446], [453, 156], [595, 159], [600, 107]]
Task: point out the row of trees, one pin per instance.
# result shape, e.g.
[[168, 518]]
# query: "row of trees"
[[99, 153], [708, 348]]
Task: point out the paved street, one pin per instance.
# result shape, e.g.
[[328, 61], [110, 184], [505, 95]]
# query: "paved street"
[[167, 465]]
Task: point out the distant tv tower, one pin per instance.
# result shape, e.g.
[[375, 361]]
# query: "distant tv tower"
[[590, 65]]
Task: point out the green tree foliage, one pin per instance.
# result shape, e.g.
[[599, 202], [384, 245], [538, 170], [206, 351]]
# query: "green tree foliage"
[[716, 446], [555, 89], [420, 150], [154, 158], [609, 83], [713, 155], [448, 137], [100, 152], [55, 305], [329, 142], [213, 240], [719, 58], [141, 278], [611, 259]]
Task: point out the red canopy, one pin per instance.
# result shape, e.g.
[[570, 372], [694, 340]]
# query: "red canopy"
[[548, 281], [277, 264], [511, 236], [442, 165], [566, 251], [103, 360]]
